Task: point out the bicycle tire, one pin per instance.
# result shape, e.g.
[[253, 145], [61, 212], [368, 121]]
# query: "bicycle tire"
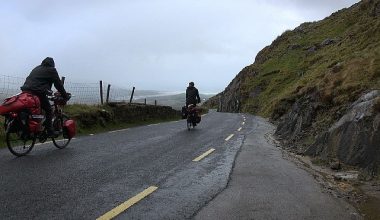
[[61, 141], [17, 146], [189, 123]]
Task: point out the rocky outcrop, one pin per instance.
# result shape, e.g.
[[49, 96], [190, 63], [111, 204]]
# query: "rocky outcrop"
[[299, 118], [375, 12], [328, 41], [230, 100], [355, 138]]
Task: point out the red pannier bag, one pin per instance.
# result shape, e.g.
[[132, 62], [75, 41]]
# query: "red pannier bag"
[[24, 100], [70, 129]]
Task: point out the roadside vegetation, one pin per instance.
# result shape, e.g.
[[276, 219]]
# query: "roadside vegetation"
[[338, 57], [96, 118]]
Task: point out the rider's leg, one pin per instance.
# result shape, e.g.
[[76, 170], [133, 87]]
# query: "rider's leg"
[[45, 105]]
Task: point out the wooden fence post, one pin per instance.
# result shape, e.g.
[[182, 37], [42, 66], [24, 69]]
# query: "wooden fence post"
[[101, 91], [133, 92], [108, 93], [155, 102], [63, 80], [145, 101]]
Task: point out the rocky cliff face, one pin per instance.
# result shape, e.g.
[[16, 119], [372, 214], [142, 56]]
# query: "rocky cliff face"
[[230, 100], [314, 81], [233, 97], [355, 138]]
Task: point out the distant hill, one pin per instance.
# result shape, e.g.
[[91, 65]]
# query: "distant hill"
[[176, 100], [309, 81]]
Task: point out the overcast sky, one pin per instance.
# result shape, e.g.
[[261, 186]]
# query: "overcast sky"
[[150, 44]]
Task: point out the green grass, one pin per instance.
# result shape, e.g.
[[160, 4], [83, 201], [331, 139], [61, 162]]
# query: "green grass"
[[121, 125], [289, 74]]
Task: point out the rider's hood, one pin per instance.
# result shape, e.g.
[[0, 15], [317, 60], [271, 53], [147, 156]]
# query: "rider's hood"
[[48, 62]]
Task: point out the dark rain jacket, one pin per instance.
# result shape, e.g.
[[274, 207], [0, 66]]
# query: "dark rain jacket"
[[42, 77], [192, 96]]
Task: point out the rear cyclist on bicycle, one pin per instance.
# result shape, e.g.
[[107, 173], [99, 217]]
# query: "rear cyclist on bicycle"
[[192, 95], [192, 99]]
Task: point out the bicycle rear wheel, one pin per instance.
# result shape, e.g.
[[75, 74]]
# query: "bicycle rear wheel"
[[18, 145], [189, 123], [62, 140], [188, 126]]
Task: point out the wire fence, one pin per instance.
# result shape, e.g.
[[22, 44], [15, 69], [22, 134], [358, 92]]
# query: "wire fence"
[[82, 93]]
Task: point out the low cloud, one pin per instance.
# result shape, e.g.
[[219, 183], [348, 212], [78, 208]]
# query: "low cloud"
[[148, 44]]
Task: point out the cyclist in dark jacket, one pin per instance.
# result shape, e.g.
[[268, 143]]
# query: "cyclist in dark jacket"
[[39, 82], [192, 95]]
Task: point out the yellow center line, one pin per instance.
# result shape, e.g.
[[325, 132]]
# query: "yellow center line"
[[203, 155], [240, 129], [229, 137], [204, 115], [130, 202]]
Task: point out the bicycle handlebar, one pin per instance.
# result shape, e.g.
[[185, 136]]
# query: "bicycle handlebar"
[[58, 99]]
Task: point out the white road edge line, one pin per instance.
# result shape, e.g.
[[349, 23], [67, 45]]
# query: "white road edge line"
[[49, 142], [153, 124], [125, 129]]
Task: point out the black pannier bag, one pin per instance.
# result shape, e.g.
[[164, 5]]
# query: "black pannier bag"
[[184, 112], [198, 119]]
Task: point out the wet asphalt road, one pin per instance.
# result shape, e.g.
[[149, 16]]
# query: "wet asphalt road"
[[94, 174]]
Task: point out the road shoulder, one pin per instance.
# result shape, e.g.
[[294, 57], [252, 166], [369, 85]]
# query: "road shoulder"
[[265, 185]]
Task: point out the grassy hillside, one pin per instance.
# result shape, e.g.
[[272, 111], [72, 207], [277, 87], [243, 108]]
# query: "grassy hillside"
[[339, 57], [309, 77]]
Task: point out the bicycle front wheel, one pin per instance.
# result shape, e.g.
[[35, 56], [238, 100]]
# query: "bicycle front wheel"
[[62, 140]]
